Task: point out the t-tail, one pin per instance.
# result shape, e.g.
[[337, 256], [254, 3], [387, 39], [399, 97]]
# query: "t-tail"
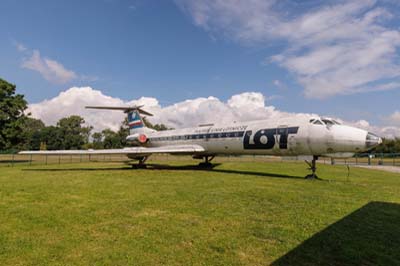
[[135, 120]]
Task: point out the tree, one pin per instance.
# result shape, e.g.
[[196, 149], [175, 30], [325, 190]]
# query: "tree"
[[112, 139], [73, 132], [97, 140], [51, 138], [12, 107], [158, 127], [31, 134], [388, 146]]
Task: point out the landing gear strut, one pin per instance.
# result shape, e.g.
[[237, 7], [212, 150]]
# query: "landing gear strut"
[[313, 168], [206, 163], [141, 163]]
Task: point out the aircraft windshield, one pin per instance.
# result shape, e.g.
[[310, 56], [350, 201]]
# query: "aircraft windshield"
[[316, 122], [328, 122]]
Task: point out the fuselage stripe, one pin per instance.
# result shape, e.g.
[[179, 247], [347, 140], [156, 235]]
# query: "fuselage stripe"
[[218, 135]]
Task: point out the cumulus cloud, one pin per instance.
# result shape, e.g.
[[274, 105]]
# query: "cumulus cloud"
[[388, 131], [333, 49], [394, 119], [192, 112], [51, 70]]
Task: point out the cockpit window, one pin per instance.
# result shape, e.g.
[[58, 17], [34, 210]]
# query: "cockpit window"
[[328, 122], [318, 122], [324, 121]]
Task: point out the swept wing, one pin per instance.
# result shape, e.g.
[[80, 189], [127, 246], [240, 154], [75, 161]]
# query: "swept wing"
[[139, 151]]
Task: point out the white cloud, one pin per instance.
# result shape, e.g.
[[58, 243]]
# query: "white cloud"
[[334, 49], [192, 112], [394, 119], [389, 131], [20, 47], [51, 70]]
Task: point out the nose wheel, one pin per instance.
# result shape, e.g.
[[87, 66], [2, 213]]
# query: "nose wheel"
[[313, 168]]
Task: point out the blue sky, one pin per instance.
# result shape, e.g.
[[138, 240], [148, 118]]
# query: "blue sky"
[[177, 50]]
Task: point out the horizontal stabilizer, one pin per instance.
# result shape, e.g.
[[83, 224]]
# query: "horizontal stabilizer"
[[126, 109]]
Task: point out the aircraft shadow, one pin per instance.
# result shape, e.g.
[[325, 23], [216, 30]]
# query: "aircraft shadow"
[[368, 236], [216, 170], [155, 167]]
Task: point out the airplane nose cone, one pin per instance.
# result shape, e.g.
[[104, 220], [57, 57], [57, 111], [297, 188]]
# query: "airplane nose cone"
[[372, 140]]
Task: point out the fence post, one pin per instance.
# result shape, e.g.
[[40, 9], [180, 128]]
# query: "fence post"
[[59, 159], [30, 159], [46, 159], [12, 161]]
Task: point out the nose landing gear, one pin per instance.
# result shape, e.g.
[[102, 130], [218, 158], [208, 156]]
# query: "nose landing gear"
[[313, 168]]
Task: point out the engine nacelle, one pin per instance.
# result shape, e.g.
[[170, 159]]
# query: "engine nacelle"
[[137, 138]]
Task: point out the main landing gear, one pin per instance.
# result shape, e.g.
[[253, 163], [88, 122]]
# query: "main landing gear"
[[141, 163], [206, 163], [313, 168]]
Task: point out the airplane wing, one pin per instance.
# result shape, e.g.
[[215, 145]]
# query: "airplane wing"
[[139, 151]]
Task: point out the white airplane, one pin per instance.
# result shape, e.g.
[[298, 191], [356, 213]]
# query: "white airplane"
[[291, 136]]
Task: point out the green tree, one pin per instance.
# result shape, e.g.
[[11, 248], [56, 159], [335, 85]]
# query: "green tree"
[[73, 132], [388, 146], [51, 138], [112, 139], [12, 107], [97, 140], [158, 127], [31, 134]]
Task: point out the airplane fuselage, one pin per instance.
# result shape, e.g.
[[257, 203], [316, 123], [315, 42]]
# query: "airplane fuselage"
[[284, 137]]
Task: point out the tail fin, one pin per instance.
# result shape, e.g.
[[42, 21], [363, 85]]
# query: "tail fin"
[[135, 121]]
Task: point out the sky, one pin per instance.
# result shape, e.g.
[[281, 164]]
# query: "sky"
[[193, 61]]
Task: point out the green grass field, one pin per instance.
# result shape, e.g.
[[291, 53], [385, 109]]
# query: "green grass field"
[[247, 213]]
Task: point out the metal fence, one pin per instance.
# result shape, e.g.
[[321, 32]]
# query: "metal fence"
[[392, 159], [11, 160]]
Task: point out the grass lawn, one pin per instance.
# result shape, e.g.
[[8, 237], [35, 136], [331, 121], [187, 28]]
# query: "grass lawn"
[[247, 213]]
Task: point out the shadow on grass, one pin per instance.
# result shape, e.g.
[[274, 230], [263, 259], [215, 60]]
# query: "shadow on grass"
[[13, 161], [368, 236], [155, 167]]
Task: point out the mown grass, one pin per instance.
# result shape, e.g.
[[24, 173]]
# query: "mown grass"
[[247, 213]]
